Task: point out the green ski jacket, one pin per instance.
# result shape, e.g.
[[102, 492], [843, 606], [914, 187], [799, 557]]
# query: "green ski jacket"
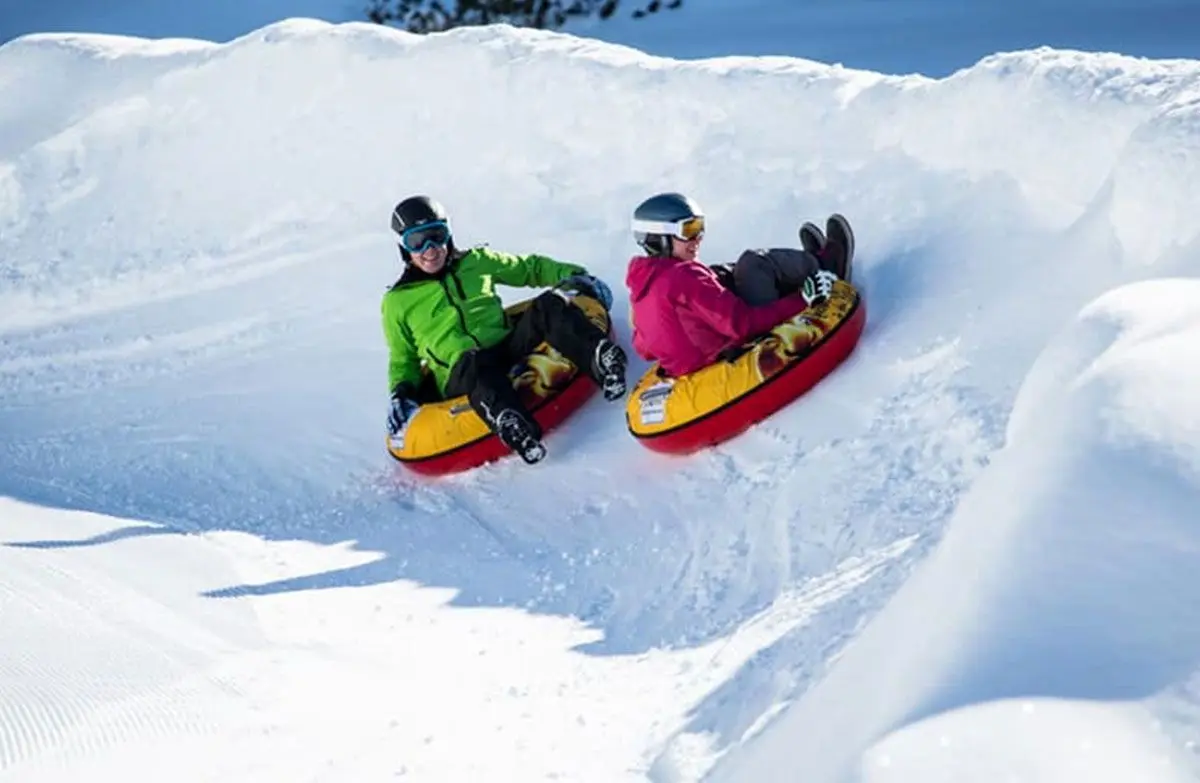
[[436, 318]]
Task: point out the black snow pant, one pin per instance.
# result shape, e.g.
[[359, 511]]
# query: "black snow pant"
[[482, 373], [762, 276]]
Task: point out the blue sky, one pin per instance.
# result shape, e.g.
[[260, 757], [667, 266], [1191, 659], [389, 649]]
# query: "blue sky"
[[933, 37]]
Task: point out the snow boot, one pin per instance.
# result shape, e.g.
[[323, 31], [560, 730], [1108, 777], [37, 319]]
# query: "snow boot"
[[521, 435], [818, 287], [811, 239], [608, 368], [837, 256]]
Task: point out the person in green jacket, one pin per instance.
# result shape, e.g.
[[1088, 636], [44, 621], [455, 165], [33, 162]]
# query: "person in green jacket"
[[444, 313]]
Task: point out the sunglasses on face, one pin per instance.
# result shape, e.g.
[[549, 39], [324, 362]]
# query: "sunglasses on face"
[[686, 229], [418, 239]]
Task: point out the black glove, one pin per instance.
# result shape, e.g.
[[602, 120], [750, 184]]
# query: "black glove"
[[724, 273], [403, 408]]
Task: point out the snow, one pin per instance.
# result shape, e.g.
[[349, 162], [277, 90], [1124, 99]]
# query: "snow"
[[1066, 574], [968, 554]]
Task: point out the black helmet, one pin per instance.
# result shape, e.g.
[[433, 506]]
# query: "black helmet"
[[665, 215], [417, 211]]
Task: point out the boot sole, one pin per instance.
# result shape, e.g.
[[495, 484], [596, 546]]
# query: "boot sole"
[[819, 238], [845, 236], [533, 454]]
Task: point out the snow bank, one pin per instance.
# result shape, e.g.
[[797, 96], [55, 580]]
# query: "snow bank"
[[1068, 573]]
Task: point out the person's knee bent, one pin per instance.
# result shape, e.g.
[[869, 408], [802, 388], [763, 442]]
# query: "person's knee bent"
[[552, 301], [755, 277], [792, 265]]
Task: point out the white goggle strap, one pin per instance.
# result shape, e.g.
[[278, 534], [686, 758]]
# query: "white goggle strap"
[[657, 227]]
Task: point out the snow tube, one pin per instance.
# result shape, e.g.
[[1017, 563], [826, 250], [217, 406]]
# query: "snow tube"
[[447, 436], [721, 400]]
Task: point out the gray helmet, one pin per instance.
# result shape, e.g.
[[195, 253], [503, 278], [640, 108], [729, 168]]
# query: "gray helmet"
[[661, 216]]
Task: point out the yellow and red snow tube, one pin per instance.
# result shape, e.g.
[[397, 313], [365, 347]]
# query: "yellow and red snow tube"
[[721, 400], [447, 436]]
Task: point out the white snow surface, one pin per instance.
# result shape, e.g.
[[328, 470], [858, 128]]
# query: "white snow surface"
[[971, 553]]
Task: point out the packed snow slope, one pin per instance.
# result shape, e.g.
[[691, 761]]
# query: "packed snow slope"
[[1067, 575], [968, 554]]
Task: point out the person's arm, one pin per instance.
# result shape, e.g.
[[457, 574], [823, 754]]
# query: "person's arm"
[[527, 271], [728, 314], [404, 363]]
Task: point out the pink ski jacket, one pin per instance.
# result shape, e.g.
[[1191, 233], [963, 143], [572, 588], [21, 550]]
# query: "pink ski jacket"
[[683, 317]]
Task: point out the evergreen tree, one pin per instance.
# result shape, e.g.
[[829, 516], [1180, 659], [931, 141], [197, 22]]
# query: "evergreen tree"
[[429, 16]]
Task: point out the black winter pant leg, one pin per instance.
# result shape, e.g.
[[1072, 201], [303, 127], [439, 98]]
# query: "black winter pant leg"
[[550, 318], [763, 276], [482, 375]]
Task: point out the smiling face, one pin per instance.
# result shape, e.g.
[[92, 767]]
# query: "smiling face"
[[427, 244], [431, 259], [686, 249]]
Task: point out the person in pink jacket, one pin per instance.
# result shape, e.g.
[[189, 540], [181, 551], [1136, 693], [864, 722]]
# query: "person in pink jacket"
[[685, 313]]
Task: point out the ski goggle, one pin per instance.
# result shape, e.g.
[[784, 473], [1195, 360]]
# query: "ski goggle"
[[686, 229], [420, 238]]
